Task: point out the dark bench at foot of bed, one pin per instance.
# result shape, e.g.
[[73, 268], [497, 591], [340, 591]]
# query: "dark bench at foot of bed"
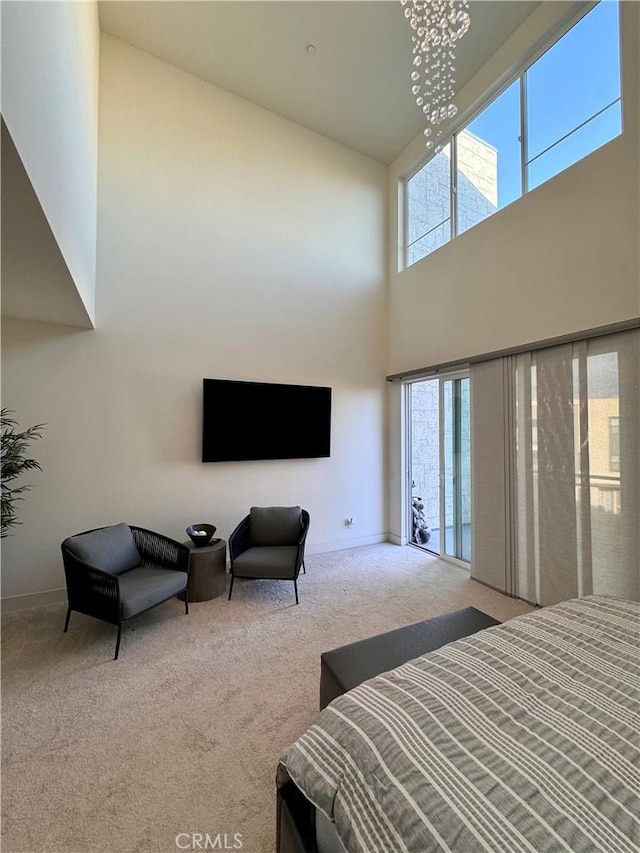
[[344, 668]]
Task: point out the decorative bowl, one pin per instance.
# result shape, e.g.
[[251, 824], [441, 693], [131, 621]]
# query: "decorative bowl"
[[201, 534]]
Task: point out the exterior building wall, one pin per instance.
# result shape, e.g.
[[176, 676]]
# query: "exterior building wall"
[[429, 194], [477, 195]]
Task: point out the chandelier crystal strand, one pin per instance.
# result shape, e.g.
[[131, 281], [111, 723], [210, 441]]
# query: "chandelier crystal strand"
[[437, 25]]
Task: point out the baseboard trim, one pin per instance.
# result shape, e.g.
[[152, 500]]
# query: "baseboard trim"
[[344, 544], [13, 603], [397, 540]]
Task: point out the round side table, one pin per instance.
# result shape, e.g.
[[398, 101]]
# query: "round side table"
[[207, 570]]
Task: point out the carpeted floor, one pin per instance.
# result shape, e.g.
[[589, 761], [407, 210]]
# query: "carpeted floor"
[[183, 733]]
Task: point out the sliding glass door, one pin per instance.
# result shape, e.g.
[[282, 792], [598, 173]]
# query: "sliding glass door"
[[456, 480], [440, 466]]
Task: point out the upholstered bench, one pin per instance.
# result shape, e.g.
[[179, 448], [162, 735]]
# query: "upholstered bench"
[[343, 668]]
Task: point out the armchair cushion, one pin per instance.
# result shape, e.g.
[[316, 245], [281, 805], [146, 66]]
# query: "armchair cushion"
[[275, 525], [272, 561], [110, 549], [144, 587]]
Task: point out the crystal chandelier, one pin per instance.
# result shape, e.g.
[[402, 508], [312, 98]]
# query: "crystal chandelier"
[[437, 26]]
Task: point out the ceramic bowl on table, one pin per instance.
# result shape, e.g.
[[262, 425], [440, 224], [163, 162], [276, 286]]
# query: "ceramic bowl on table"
[[201, 534]]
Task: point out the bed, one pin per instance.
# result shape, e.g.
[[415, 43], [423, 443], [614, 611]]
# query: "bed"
[[523, 738]]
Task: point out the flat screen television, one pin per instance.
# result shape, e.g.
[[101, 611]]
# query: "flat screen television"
[[264, 420]]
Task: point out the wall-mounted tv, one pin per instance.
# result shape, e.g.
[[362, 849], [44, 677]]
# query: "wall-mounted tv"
[[264, 420]]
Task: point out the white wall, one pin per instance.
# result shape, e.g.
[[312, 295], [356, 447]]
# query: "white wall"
[[50, 62], [563, 258], [231, 244]]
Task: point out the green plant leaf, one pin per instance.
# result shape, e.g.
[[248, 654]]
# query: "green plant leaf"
[[14, 462]]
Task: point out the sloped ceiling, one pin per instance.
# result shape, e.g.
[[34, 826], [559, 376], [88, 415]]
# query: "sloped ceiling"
[[36, 282], [352, 87]]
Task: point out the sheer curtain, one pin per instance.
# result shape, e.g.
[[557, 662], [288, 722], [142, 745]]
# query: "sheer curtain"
[[556, 467]]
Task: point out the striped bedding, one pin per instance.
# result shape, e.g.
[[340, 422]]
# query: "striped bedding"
[[524, 737]]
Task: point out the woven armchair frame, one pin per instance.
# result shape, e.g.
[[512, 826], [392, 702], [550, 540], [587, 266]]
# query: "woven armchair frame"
[[239, 542], [239, 539], [91, 591], [158, 551], [96, 592]]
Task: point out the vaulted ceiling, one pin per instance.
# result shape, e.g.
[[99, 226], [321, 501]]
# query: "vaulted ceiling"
[[351, 85]]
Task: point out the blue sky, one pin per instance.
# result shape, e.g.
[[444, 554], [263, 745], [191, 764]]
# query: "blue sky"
[[571, 82]]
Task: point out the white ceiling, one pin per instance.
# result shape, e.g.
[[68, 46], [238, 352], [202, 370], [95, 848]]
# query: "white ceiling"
[[354, 87]]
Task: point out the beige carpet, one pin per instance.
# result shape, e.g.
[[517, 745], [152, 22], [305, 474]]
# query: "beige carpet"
[[183, 733]]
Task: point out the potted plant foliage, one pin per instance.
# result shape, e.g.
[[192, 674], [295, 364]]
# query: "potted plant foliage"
[[15, 446]]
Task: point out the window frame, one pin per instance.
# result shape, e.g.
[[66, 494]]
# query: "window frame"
[[467, 117]]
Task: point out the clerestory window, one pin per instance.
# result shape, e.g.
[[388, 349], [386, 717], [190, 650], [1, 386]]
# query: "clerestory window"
[[558, 110]]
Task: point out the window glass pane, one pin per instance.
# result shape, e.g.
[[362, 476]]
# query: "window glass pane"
[[488, 160], [465, 469], [425, 464], [429, 207], [573, 80], [448, 480], [429, 243], [614, 444], [596, 133], [607, 539]]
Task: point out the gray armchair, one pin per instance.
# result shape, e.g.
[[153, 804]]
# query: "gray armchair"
[[116, 573], [269, 544]]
